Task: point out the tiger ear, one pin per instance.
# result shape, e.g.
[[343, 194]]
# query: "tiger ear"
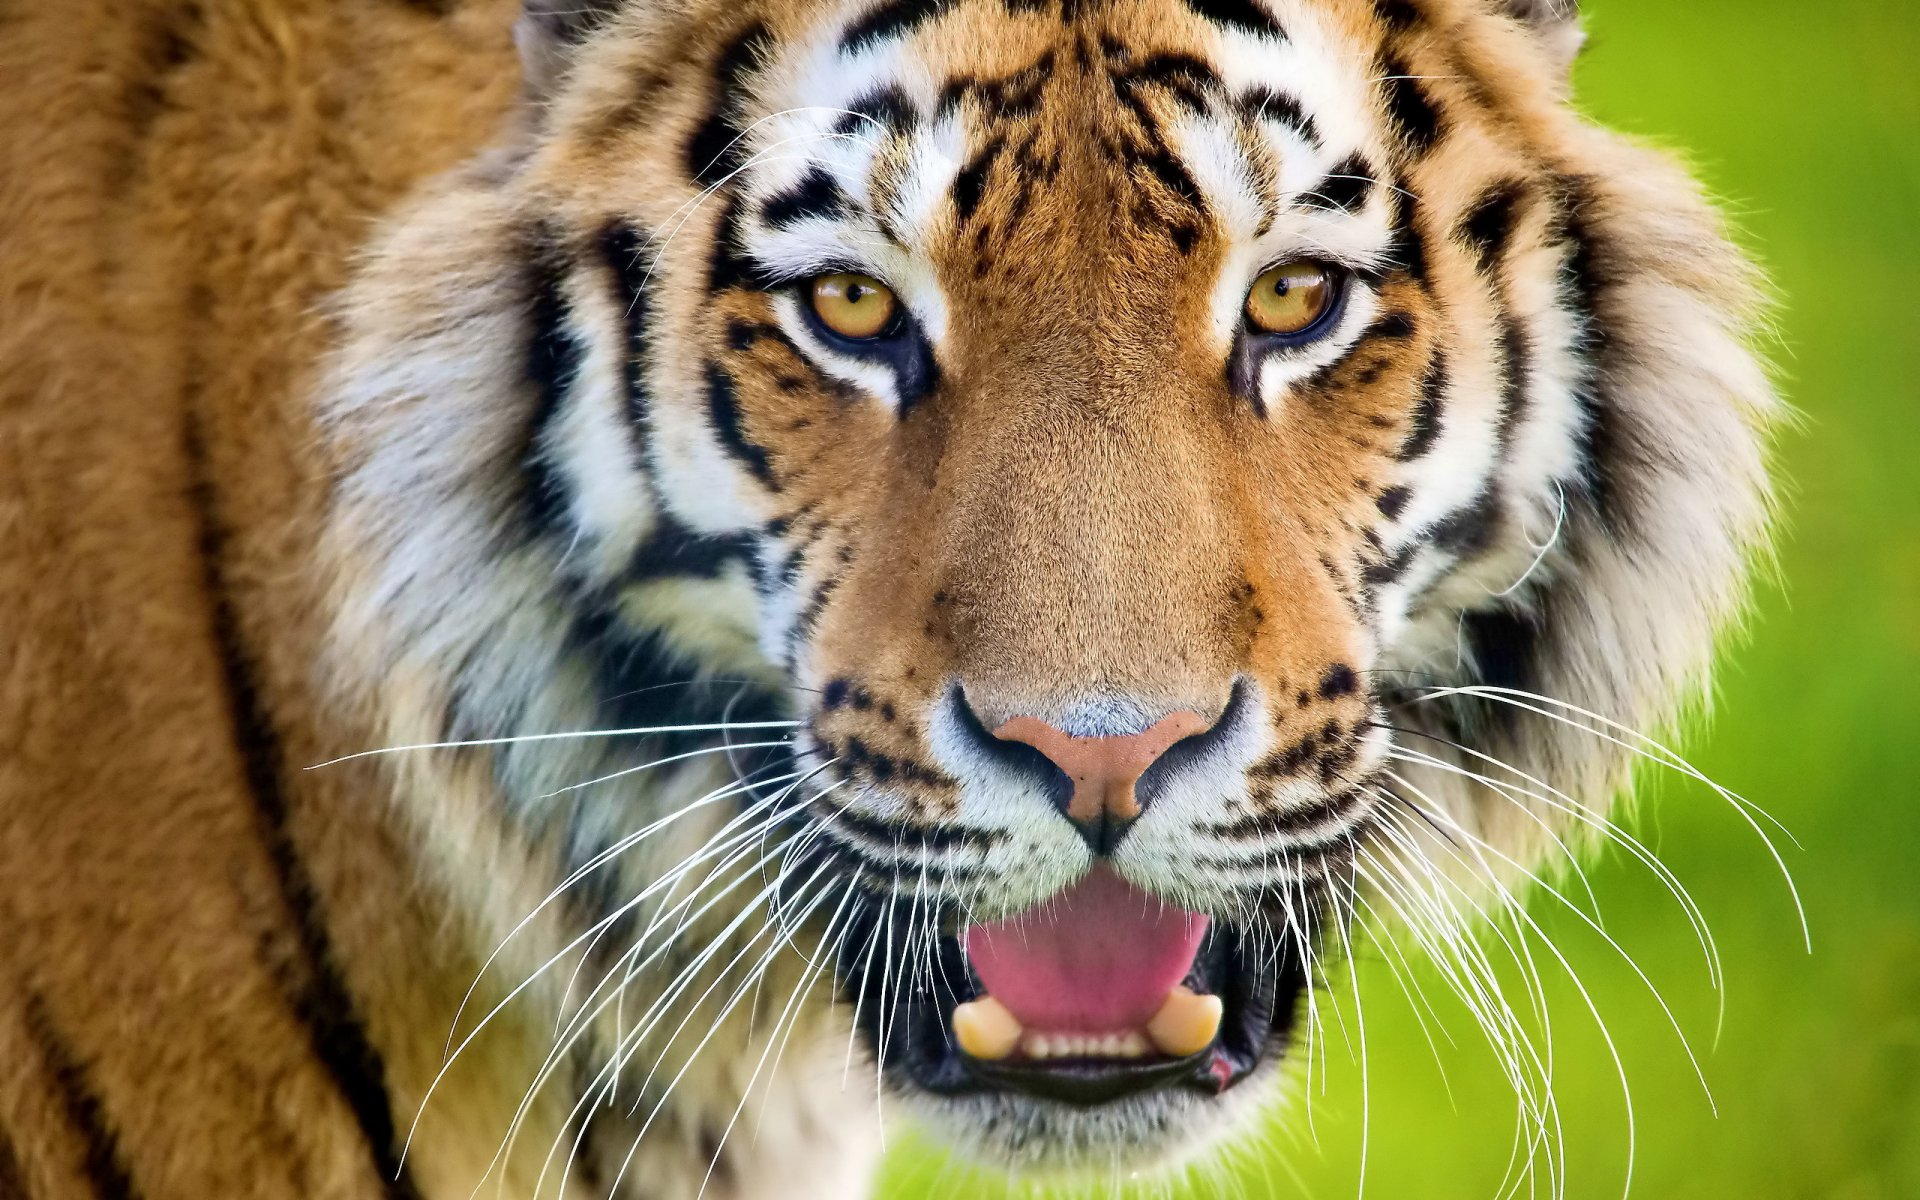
[[547, 34], [1555, 23]]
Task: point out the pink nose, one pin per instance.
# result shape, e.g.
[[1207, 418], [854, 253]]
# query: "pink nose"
[[1103, 769]]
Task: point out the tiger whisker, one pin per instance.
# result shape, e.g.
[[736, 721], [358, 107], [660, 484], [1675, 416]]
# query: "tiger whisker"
[[1612, 832], [1659, 753], [522, 739], [1535, 880], [660, 1105], [1579, 985], [787, 1019], [598, 861], [728, 748], [1472, 980], [1442, 931], [591, 1010]]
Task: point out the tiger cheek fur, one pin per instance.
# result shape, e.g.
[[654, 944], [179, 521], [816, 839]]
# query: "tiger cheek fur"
[[1070, 576]]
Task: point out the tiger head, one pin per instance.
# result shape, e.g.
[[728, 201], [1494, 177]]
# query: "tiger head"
[[1191, 472]]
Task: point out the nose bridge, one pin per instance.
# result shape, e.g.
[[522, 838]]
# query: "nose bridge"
[[1087, 548]]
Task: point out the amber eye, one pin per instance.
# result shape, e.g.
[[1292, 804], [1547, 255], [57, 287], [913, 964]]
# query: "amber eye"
[[1290, 298], [853, 306]]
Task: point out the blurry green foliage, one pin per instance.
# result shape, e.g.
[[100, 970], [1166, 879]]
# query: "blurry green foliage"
[[1805, 119]]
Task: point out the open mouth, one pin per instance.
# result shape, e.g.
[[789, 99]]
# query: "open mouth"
[[1098, 993]]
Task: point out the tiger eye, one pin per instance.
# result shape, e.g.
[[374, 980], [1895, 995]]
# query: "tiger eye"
[[1289, 298], [853, 306]]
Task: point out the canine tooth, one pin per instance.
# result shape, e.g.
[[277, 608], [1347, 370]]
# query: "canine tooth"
[[985, 1029], [1186, 1023]]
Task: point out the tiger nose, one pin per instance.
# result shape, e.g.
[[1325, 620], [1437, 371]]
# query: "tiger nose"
[[1103, 771]]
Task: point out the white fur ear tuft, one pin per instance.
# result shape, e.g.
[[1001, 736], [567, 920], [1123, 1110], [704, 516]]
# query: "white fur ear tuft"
[[549, 31], [1555, 22]]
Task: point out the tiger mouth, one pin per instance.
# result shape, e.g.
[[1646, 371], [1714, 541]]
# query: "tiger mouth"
[[1084, 1010]]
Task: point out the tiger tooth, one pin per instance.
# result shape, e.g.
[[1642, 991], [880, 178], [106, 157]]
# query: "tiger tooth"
[[1186, 1023], [985, 1029]]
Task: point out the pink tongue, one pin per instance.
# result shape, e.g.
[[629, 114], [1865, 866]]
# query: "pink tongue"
[[1098, 957]]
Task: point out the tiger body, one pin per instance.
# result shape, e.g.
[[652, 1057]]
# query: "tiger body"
[[374, 383]]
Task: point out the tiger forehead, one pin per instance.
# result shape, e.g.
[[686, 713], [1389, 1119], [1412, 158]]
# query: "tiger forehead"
[[871, 116]]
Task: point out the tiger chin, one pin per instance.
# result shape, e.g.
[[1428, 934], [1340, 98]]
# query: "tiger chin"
[[955, 545]]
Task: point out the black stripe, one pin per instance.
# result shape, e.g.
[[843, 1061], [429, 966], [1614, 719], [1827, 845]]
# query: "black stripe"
[[672, 550], [1416, 119], [552, 364], [1348, 186], [106, 1168], [1265, 104], [643, 680], [729, 267], [1409, 251], [339, 1040], [566, 20], [1516, 374], [723, 409], [1488, 224], [970, 182], [1427, 412], [1389, 570], [1394, 326], [894, 18], [13, 1172], [1247, 15], [716, 150], [1585, 279], [1505, 647], [1468, 530], [1172, 176], [1188, 79], [816, 196], [1392, 502], [889, 106], [1398, 15], [625, 249]]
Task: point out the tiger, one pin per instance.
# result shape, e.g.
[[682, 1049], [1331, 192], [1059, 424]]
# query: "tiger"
[[616, 597]]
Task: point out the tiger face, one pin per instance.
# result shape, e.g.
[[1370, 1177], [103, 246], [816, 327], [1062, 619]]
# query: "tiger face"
[[1136, 443]]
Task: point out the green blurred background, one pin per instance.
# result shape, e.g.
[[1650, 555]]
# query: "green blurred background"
[[1805, 119]]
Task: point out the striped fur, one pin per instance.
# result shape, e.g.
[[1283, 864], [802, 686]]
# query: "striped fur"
[[572, 457]]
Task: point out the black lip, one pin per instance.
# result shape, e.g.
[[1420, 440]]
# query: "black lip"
[[907, 1021], [1090, 1083]]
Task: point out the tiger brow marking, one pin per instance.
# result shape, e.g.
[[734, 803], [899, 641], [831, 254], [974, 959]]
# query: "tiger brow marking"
[[1248, 16], [1348, 186], [1416, 118], [817, 196], [892, 19], [1266, 104], [713, 150], [889, 107]]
